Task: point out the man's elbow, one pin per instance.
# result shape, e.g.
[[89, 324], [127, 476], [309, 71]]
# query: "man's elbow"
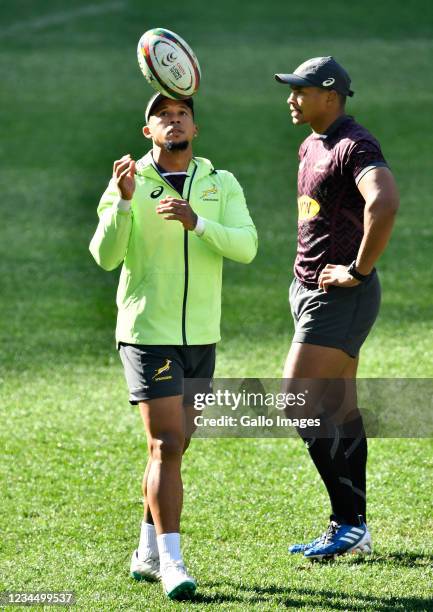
[[105, 263], [108, 266], [250, 252]]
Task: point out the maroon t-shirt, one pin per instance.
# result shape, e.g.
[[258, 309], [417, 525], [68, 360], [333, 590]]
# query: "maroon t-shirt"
[[330, 207]]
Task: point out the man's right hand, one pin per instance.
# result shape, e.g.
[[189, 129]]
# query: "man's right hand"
[[123, 173]]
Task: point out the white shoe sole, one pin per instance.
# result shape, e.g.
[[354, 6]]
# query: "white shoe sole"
[[184, 590], [147, 576]]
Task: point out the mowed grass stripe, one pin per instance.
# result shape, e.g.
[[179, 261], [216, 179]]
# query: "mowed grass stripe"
[[59, 18]]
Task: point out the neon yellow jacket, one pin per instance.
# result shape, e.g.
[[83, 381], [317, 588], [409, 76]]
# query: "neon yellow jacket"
[[170, 285]]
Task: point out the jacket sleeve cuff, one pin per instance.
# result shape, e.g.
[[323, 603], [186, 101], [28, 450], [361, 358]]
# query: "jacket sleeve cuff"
[[123, 205], [200, 226]]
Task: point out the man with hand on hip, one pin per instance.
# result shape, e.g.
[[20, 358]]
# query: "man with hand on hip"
[[347, 202]]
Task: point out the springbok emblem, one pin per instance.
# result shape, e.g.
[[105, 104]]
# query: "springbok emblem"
[[162, 369]]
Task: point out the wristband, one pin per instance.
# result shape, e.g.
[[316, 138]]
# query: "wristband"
[[123, 205], [357, 275], [200, 226]]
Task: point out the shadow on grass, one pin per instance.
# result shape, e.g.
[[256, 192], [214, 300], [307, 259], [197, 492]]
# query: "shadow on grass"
[[402, 559], [302, 598], [399, 559]]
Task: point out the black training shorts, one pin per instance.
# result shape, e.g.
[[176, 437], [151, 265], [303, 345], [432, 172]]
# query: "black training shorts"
[[155, 371], [340, 318]]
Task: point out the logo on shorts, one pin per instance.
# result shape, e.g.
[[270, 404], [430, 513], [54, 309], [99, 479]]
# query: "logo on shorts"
[[162, 370], [307, 208]]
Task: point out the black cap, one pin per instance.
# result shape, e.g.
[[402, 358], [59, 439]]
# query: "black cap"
[[322, 72], [157, 98]]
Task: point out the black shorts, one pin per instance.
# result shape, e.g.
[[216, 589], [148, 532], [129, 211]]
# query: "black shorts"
[[340, 318], [155, 371]]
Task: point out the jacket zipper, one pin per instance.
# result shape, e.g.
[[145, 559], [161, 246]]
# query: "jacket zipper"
[[185, 255], [185, 252]]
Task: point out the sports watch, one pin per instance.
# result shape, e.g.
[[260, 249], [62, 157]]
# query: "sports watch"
[[354, 272]]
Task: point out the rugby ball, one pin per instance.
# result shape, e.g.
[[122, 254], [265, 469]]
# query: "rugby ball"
[[168, 64]]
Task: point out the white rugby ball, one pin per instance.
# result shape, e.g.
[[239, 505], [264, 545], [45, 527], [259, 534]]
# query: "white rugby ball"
[[168, 63]]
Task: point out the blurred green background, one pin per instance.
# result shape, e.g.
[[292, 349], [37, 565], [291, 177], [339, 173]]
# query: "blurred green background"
[[71, 101]]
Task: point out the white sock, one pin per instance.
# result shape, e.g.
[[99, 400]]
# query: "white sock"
[[169, 548], [147, 546]]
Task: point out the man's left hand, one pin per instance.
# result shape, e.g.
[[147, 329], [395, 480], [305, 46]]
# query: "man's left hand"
[[336, 275], [175, 209]]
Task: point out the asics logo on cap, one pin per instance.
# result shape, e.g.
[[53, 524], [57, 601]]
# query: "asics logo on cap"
[[328, 82]]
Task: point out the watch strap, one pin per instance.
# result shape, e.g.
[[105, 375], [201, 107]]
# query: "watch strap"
[[354, 272]]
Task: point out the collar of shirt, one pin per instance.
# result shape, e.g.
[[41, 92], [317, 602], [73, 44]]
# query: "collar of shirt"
[[165, 172], [333, 127]]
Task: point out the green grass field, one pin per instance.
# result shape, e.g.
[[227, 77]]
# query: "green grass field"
[[73, 450]]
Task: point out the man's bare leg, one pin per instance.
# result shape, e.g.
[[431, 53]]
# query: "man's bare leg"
[[147, 515], [329, 376], [189, 414], [314, 361], [341, 461], [147, 562], [164, 423]]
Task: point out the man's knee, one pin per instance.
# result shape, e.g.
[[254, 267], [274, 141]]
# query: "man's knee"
[[167, 447]]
